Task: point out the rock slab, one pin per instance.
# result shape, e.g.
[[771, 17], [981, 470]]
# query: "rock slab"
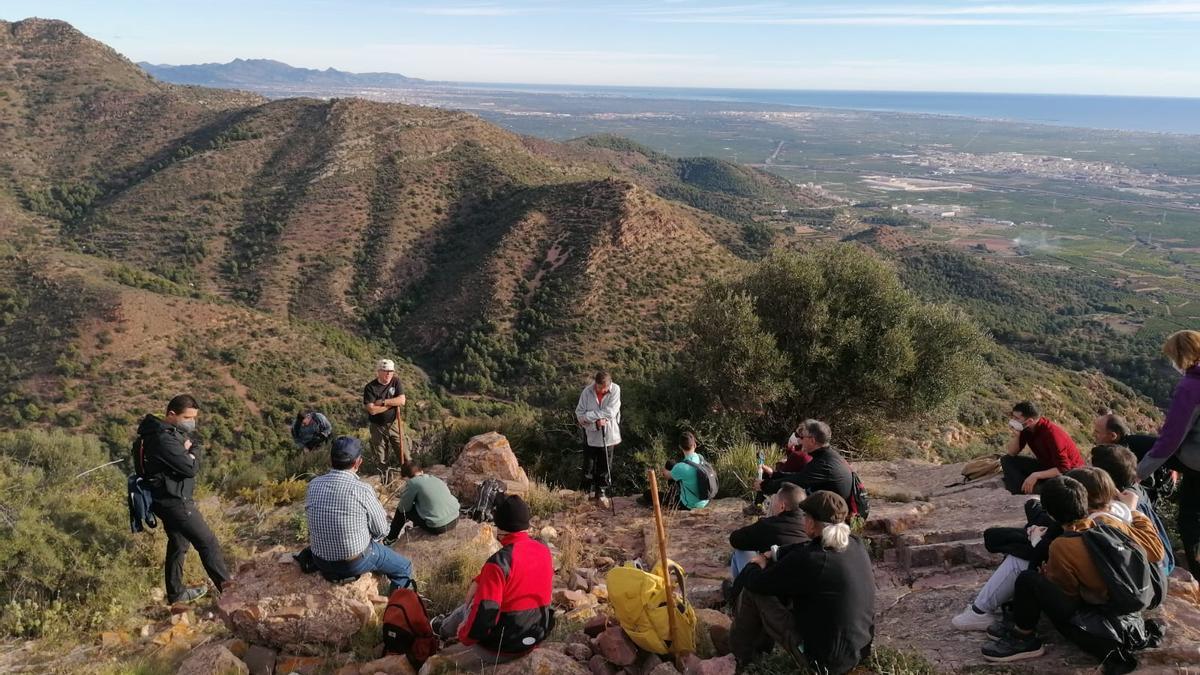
[[486, 456], [212, 660], [277, 605]]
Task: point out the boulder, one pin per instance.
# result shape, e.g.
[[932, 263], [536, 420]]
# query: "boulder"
[[573, 599], [260, 660], [212, 660], [597, 625], [722, 665], [486, 456], [718, 625], [542, 662], [599, 666], [616, 647], [277, 605], [468, 540]]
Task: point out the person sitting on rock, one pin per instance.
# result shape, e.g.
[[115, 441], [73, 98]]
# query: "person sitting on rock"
[[827, 470], [311, 430], [783, 527], [1070, 580], [1111, 429], [1120, 463], [795, 458], [683, 477], [1054, 453], [816, 600], [345, 518], [425, 501], [507, 612]]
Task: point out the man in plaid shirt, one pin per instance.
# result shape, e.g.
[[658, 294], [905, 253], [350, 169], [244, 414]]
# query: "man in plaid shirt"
[[345, 519]]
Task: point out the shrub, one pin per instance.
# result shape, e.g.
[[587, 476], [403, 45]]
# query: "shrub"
[[737, 466]]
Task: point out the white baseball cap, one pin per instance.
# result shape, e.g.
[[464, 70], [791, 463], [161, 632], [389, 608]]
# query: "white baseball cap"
[[385, 364]]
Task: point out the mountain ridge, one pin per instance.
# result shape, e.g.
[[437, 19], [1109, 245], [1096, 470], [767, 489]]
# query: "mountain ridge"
[[257, 73]]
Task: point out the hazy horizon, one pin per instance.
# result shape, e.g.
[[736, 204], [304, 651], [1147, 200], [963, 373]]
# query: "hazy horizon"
[[1070, 47]]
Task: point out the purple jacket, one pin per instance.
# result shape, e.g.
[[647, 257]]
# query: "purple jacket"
[[1180, 432]]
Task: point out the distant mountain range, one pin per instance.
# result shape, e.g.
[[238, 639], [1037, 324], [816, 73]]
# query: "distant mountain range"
[[257, 73]]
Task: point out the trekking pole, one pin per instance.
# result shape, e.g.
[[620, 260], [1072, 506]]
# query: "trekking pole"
[[612, 503], [97, 468], [661, 534], [400, 435]]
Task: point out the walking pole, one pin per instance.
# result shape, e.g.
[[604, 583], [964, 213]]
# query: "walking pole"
[[612, 503], [661, 534], [400, 435]]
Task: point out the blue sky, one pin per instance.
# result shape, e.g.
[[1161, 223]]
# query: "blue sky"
[[1051, 46]]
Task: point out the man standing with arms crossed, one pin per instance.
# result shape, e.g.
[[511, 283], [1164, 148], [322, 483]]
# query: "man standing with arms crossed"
[[599, 413], [382, 399]]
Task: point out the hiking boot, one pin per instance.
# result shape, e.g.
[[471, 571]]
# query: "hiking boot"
[[190, 595], [1015, 647], [969, 619], [753, 510]]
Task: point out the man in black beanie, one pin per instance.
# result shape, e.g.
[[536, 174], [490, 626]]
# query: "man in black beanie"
[[507, 613]]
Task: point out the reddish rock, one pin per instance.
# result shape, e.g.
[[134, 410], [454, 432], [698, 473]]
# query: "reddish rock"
[[722, 665], [616, 647], [572, 599], [212, 660], [598, 666], [487, 456], [394, 664], [261, 660], [542, 662], [718, 625], [579, 652], [596, 626], [304, 665]]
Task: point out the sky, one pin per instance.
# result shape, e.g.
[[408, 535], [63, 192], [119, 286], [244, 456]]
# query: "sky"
[[1113, 47]]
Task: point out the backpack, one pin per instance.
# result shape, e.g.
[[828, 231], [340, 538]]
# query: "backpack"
[[406, 627], [1134, 583], [490, 492], [859, 502], [138, 454], [708, 483], [639, 599]]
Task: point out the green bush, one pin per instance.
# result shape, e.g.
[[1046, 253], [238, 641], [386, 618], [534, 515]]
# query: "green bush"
[[737, 466], [67, 559]]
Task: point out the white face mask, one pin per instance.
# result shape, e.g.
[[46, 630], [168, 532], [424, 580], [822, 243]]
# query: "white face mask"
[[1179, 370], [793, 441], [1016, 426]]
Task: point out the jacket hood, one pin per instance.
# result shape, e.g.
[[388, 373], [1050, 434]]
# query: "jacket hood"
[[151, 424]]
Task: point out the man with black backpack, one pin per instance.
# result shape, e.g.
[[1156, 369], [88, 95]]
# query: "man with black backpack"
[[1099, 576], [693, 481], [168, 459]]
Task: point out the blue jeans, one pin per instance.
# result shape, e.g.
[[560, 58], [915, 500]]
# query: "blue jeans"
[[377, 558], [739, 560]]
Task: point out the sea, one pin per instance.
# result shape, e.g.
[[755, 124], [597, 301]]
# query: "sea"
[[1125, 113]]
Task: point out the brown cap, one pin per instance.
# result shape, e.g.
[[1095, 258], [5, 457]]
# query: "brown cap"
[[826, 506]]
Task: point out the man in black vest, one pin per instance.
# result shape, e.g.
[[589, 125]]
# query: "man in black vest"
[[169, 462]]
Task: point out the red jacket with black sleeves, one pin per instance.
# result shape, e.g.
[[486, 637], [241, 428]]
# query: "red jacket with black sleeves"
[[511, 613], [1052, 446]]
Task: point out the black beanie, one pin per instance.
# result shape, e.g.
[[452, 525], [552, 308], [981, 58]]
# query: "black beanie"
[[512, 514]]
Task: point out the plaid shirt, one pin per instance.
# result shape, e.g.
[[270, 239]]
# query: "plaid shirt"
[[344, 515]]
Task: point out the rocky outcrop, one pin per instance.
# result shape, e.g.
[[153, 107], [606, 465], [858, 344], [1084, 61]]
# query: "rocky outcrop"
[[273, 603], [212, 660], [486, 456]]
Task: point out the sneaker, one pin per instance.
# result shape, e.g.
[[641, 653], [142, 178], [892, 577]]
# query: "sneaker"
[[436, 624], [389, 540], [969, 619], [604, 502], [1000, 629], [1014, 648], [191, 594]]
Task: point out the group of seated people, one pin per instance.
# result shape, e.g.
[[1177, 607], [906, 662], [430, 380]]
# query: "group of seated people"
[[506, 612], [1048, 569]]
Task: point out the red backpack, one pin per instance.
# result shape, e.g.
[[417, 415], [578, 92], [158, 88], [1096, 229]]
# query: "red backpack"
[[406, 627]]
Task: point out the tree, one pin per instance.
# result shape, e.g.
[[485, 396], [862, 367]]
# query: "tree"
[[731, 361]]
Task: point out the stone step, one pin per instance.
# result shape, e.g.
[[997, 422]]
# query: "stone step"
[[946, 555]]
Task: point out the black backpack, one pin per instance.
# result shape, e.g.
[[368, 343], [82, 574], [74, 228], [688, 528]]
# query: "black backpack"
[[860, 501], [491, 491], [708, 484], [1134, 583]]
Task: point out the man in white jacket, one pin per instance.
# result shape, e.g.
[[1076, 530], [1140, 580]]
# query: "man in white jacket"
[[599, 413]]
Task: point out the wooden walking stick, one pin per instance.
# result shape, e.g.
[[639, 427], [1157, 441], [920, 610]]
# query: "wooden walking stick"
[[661, 533]]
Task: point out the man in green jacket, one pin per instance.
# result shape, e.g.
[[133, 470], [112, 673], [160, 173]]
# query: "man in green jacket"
[[425, 501]]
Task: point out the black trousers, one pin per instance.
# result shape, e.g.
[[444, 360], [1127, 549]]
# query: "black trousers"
[[402, 517], [1036, 595], [595, 470], [1016, 469], [185, 528], [1189, 517]]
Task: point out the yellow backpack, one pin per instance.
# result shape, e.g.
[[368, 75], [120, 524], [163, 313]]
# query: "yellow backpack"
[[639, 599]]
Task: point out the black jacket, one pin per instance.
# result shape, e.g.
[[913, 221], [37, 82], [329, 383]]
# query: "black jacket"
[[826, 471], [170, 469], [784, 529], [832, 596]]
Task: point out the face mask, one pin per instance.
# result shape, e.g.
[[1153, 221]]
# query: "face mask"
[[187, 425], [1016, 426], [1179, 370], [793, 441]]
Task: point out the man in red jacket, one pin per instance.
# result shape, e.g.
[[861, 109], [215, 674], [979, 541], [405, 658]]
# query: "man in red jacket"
[[1054, 453], [508, 612]]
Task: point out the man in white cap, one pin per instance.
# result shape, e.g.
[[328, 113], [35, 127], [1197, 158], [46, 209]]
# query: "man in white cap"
[[383, 397]]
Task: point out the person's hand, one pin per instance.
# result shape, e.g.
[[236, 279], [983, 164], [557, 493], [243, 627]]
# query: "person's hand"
[[1035, 533], [187, 444], [767, 471], [601, 423], [1129, 498], [757, 485], [760, 560], [1029, 484]]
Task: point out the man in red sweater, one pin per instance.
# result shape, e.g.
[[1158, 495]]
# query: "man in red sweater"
[[1054, 453], [508, 612]]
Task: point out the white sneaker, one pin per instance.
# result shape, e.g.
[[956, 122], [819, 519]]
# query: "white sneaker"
[[969, 619]]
